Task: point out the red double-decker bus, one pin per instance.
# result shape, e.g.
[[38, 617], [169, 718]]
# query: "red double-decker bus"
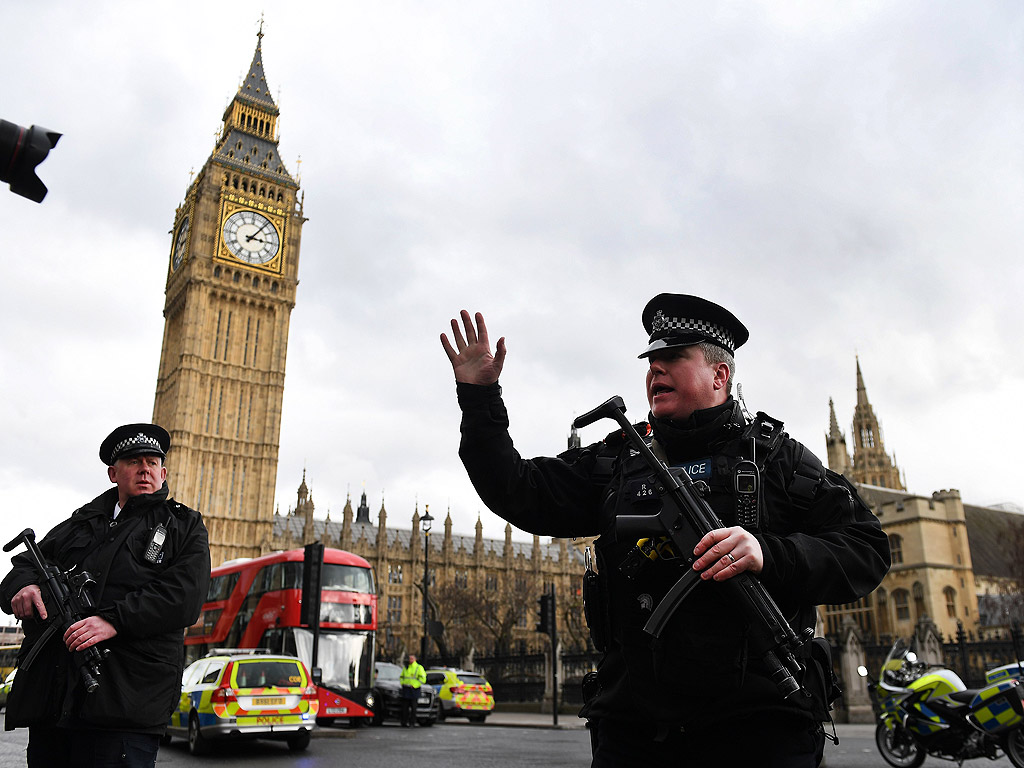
[[255, 603]]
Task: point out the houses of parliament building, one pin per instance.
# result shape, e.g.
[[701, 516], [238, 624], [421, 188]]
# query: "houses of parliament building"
[[231, 285]]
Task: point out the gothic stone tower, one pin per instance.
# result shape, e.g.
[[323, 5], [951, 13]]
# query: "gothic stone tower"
[[230, 291], [871, 465]]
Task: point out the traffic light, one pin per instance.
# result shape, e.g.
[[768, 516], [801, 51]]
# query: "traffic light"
[[312, 566], [546, 611]]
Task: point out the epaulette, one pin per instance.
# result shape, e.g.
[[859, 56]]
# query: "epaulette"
[[618, 437], [178, 509], [610, 450]]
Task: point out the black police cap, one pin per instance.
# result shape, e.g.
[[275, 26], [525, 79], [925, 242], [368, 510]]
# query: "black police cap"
[[135, 440], [680, 320]]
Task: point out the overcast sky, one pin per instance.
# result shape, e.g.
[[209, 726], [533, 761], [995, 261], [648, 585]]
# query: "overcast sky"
[[846, 177]]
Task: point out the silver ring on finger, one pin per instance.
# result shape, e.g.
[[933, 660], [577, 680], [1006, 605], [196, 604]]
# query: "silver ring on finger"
[[732, 558]]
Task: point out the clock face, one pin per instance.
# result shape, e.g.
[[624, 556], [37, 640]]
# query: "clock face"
[[180, 241], [251, 237]]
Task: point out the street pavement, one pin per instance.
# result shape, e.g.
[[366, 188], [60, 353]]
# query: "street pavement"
[[12, 743]]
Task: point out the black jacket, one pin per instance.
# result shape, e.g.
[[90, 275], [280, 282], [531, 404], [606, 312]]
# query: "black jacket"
[[821, 545], [149, 604]]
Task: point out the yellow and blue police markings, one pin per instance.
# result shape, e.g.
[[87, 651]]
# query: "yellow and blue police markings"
[[264, 706], [465, 696], [939, 683], [1006, 672], [998, 706]]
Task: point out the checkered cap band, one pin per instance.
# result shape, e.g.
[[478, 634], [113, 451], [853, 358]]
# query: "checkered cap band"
[[662, 323], [137, 441]]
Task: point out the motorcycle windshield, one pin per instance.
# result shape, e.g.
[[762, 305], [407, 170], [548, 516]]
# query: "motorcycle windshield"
[[897, 656]]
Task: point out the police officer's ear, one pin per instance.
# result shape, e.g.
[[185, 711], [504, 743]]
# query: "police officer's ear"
[[721, 375]]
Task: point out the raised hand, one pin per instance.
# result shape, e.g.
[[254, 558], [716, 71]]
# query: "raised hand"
[[471, 356]]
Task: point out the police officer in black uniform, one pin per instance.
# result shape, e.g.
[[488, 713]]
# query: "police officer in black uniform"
[[150, 558], [698, 695]]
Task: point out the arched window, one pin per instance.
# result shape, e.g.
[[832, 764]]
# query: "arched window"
[[901, 599], [882, 601], [896, 548], [919, 607], [950, 595]]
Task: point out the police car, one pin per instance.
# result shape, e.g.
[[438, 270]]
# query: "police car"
[[462, 693], [243, 693]]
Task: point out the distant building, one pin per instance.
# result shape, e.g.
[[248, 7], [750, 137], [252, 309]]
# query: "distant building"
[[496, 582], [950, 560]]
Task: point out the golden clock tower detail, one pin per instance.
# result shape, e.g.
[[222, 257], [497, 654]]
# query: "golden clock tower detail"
[[231, 282]]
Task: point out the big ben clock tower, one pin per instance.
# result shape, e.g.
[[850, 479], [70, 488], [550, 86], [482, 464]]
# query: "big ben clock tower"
[[231, 279]]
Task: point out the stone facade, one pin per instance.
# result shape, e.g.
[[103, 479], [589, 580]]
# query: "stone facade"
[[484, 592], [231, 281]]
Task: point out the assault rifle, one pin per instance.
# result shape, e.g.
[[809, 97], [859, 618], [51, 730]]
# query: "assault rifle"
[[685, 518], [70, 597]]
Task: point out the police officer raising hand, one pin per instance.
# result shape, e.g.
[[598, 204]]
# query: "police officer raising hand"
[[471, 356], [701, 692]]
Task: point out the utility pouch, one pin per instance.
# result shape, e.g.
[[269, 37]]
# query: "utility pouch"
[[820, 679], [594, 604]]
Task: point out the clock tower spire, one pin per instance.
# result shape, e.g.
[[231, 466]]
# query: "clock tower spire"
[[231, 284]]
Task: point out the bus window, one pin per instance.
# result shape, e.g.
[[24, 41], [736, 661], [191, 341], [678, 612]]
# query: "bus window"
[[347, 578], [292, 577], [287, 575], [272, 578], [345, 613], [221, 587]]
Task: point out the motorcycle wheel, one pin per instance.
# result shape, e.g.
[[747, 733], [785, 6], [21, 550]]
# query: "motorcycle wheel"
[[1013, 746], [898, 747]]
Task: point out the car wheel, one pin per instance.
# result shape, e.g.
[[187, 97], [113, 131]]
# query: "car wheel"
[[477, 718], [299, 741], [197, 743]]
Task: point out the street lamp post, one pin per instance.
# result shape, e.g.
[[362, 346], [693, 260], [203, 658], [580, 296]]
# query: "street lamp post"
[[427, 521]]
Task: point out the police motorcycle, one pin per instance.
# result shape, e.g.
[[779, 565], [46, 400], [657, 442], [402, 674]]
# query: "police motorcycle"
[[927, 710]]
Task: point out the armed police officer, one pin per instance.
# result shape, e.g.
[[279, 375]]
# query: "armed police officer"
[[698, 694], [150, 559]]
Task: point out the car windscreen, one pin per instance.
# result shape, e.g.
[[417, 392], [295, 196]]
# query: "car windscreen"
[[261, 673], [472, 680], [388, 672]]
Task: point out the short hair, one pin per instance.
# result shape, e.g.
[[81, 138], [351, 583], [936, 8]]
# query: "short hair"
[[714, 354]]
